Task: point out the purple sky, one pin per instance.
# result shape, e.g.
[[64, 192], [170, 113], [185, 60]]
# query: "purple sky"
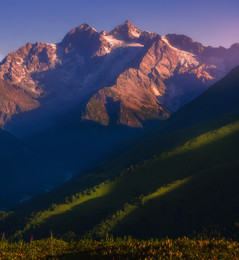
[[211, 22]]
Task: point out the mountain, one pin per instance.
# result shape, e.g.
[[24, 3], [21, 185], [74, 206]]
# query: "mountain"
[[170, 184], [14, 100], [219, 99], [121, 80], [156, 198], [127, 76], [23, 174]]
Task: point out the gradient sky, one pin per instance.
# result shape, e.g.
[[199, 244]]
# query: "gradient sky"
[[211, 22]]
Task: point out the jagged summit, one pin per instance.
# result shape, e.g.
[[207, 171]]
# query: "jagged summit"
[[126, 31], [77, 31], [82, 27], [83, 37], [128, 22]]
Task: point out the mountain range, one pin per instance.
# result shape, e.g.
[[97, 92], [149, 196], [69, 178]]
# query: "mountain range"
[[127, 76], [109, 131], [177, 179]]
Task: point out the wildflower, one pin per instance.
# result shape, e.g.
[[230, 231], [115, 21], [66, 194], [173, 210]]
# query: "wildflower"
[[3, 236]]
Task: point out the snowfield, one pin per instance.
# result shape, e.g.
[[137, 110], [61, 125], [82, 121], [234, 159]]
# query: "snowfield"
[[115, 43]]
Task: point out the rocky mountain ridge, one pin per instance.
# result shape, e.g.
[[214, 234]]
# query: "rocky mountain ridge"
[[126, 76]]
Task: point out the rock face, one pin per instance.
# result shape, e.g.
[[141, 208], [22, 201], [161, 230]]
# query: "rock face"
[[25, 66], [14, 100], [126, 76]]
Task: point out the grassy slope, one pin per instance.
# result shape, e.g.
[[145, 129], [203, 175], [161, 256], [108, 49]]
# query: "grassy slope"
[[90, 206], [143, 150], [222, 97], [207, 200], [199, 155]]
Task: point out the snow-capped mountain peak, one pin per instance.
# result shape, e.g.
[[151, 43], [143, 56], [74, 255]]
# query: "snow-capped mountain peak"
[[138, 74]]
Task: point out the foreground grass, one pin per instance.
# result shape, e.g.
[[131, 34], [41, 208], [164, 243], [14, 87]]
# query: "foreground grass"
[[127, 248]]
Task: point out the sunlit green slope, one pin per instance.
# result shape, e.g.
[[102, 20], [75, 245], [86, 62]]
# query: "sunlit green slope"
[[179, 178], [199, 116], [159, 197]]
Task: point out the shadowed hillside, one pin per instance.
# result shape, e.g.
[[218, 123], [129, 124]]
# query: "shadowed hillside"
[[170, 184]]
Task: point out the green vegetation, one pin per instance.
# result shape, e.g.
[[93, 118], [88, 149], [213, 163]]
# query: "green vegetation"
[[106, 227], [179, 179], [156, 194], [206, 139], [127, 248]]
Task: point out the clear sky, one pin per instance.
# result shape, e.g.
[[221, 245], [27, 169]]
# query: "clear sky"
[[211, 22]]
